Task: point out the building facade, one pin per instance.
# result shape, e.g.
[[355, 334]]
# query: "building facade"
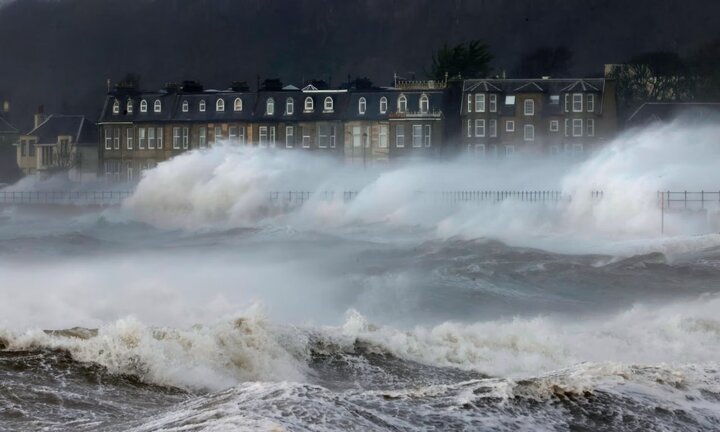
[[8, 165]]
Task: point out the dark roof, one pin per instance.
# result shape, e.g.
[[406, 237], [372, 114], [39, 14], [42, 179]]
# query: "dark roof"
[[6, 127], [666, 111], [83, 130], [548, 86]]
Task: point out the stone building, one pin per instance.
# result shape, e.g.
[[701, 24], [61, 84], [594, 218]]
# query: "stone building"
[[9, 171]]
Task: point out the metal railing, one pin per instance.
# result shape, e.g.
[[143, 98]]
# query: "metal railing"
[[669, 200], [101, 198]]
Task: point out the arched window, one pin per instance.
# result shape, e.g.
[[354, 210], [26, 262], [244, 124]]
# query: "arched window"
[[289, 106], [424, 104], [157, 106], [362, 105], [309, 105], [270, 106], [129, 106], [185, 106], [237, 105], [220, 104], [383, 105], [143, 105], [201, 105], [402, 104], [328, 104], [116, 107]]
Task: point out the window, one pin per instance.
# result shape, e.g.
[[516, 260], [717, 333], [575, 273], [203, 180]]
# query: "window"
[[590, 127], [529, 107], [220, 105], [151, 138], [202, 137], [493, 128], [263, 136], [159, 137], [176, 138], [554, 150], [577, 149], [129, 107], [241, 135], [402, 104], [567, 127], [362, 105], [428, 135], [305, 137], [328, 104], [529, 134], [554, 125], [186, 137], [332, 136], [567, 102], [356, 136], [323, 135], [237, 105], [400, 136], [233, 134], [510, 126], [590, 102], [480, 102], [272, 136], [469, 103], [289, 106], [143, 106], [270, 106], [157, 106], [577, 102], [479, 127], [108, 139], [577, 127], [217, 135], [509, 100], [469, 128], [116, 139], [493, 103], [424, 104], [309, 104], [116, 107], [554, 99], [201, 105], [383, 105], [185, 106], [417, 135], [478, 149], [383, 136], [289, 136], [142, 139], [510, 150], [129, 138]]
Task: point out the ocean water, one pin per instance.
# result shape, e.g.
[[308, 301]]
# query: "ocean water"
[[197, 306]]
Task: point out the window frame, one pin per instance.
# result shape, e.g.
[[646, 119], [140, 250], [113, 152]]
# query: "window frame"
[[143, 106], [590, 127], [362, 105], [116, 107], [400, 136], [493, 103], [185, 106], [402, 104], [554, 125], [577, 124], [270, 106], [237, 104], [590, 102], [424, 104], [529, 102], [308, 104], [157, 106], [130, 106], [202, 105], [129, 137], [531, 135], [220, 105], [480, 102], [328, 104], [417, 135], [509, 125], [428, 135], [383, 105], [577, 102], [289, 133], [480, 128], [289, 106]]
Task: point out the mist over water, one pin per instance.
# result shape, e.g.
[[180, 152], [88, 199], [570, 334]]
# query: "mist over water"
[[202, 304]]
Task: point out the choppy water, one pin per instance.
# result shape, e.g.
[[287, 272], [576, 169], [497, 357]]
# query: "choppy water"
[[111, 325]]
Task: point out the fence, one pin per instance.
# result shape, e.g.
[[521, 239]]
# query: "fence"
[[668, 200], [100, 198]]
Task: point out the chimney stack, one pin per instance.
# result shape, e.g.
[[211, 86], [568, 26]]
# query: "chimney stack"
[[40, 116]]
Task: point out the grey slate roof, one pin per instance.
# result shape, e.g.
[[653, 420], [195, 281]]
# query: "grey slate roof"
[[83, 130], [548, 86], [6, 127]]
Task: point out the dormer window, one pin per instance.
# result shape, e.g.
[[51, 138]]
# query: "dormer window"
[[220, 105], [362, 105], [201, 105], [116, 107], [157, 106], [185, 106], [237, 105], [129, 107], [402, 104], [143, 106], [383, 105], [309, 104], [289, 106], [328, 104], [270, 106], [424, 104]]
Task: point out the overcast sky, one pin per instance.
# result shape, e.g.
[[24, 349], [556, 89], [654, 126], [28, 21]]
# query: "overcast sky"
[[60, 52]]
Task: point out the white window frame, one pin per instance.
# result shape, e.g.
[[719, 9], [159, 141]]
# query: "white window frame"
[[469, 128], [237, 104], [157, 106], [116, 107], [469, 102], [480, 102], [141, 138], [176, 138], [493, 103], [402, 104], [262, 136], [383, 105], [202, 106], [424, 104], [590, 104], [428, 135], [554, 125], [323, 135], [232, 134], [143, 106], [529, 107], [577, 102], [567, 102], [185, 106], [306, 142], [400, 136], [241, 134], [217, 134], [289, 136], [529, 132], [116, 139], [383, 136], [480, 128], [270, 106], [129, 134], [577, 127], [220, 105], [272, 136], [202, 137], [417, 135], [129, 106], [590, 127], [362, 106], [328, 104], [493, 128], [185, 137], [309, 104], [289, 106], [160, 138], [108, 141], [510, 126], [510, 150], [567, 127], [151, 138]]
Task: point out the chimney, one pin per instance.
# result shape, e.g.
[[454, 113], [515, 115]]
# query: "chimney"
[[40, 116]]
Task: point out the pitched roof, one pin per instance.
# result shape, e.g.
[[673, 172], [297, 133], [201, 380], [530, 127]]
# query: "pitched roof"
[[83, 131], [6, 127]]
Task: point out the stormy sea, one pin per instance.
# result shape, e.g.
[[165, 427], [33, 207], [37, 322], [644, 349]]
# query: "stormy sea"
[[206, 301]]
